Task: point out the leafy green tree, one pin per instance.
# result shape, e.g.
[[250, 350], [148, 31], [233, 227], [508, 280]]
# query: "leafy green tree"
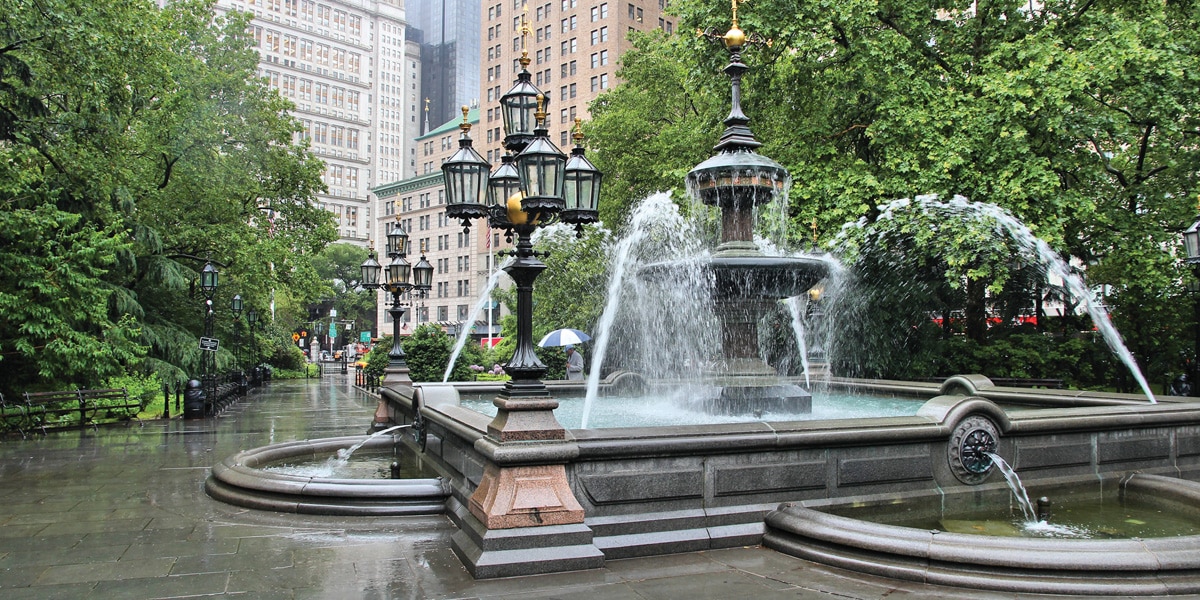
[[1073, 115], [338, 265], [427, 352], [136, 142]]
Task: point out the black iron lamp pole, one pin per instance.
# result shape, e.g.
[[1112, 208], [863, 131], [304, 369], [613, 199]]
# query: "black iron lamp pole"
[[526, 192], [1191, 245], [235, 305], [209, 277], [397, 283], [251, 321]]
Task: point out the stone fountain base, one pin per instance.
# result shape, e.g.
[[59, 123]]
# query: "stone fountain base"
[[758, 396]]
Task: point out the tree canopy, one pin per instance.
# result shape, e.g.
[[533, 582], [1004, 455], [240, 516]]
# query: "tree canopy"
[[1079, 117], [136, 143]]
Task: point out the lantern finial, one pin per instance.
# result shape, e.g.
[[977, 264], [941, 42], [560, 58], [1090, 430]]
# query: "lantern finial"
[[525, 31]]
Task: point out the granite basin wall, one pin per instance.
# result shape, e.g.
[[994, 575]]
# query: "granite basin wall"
[[650, 491]]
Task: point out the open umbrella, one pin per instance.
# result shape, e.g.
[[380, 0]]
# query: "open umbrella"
[[564, 337]]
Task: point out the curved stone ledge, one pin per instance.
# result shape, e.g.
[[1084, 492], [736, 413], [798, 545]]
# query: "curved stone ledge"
[[239, 480], [1158, 566]]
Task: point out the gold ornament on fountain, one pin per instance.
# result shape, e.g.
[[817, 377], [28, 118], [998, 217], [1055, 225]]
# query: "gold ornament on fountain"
[[734, 39]]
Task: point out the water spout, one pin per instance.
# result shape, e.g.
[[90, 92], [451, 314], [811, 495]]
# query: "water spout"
[[343, 455], [1018, 490], [1037, 249], [465, 334]]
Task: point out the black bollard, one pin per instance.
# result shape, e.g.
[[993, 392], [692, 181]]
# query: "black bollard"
[[1043, 509], [395, 470]]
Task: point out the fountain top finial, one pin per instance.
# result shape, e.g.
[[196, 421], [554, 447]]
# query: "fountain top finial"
[[735, 38], [737, 178]]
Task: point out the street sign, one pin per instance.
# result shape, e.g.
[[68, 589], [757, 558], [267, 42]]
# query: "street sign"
[[209, 344], [364, 337]]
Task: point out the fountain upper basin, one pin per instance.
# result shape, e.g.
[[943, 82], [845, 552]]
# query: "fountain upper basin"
[[751, 275]]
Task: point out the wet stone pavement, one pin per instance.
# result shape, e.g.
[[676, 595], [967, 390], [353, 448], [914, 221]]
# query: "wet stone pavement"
[[121, 513]]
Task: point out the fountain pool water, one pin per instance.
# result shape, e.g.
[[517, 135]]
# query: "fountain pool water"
[[296, 477], [679, 406], [1078, 514]]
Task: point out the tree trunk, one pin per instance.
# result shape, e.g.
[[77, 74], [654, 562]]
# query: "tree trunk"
[[976, 312]]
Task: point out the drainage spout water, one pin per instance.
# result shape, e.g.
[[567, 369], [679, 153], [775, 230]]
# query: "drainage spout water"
[[1018, 490]]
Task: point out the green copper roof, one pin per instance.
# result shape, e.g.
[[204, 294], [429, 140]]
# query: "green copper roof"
[[452, 124]]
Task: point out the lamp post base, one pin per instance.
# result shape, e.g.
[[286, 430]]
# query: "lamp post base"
[[525, 420], [525, 496]]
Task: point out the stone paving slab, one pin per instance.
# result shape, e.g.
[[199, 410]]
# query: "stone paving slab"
[[121, 512]]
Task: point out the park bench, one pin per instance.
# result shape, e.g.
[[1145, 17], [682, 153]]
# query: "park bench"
[[44, 410]]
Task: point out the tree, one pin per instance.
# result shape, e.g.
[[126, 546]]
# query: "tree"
[[136, 142], [338, 265], [1071, 115]]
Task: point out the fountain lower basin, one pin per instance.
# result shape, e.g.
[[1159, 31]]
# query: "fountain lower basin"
[[651, 490], [241, 479], [1131, 566]]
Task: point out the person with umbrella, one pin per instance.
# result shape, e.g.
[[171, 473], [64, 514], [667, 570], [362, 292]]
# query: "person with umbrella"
[[568, 337], [574, 364]]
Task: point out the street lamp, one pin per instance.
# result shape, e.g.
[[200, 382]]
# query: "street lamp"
[[235, 305], [209, 277], [1191, 246], [524, 193], [251, 321], [396, 282]]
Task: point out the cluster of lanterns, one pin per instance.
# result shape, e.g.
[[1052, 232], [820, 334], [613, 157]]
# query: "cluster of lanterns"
[[534, 172]]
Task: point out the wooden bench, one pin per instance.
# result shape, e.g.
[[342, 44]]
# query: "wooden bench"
[[44, 410]]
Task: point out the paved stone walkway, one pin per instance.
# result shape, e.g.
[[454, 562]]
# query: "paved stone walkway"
[[121, 513]]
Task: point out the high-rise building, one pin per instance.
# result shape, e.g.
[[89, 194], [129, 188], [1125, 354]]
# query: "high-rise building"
[[573, 46], [450, 44], [354, 77]]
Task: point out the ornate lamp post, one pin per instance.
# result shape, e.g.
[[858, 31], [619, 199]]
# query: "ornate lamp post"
[[397, 283], [525, 192], [251, 321], [209, 277], [1191, 245], [235, 305]]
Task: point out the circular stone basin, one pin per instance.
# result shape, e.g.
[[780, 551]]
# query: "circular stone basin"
[[751, 276], [766, 276], [244, 479], [1132, 566]]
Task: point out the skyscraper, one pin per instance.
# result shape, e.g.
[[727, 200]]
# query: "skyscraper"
[[573, 47], [450, 45]]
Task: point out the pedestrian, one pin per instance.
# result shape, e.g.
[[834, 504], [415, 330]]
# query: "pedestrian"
[[574, 364], [1181, 386]]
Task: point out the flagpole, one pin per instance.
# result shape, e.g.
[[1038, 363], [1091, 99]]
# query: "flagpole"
[[491, 271]]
